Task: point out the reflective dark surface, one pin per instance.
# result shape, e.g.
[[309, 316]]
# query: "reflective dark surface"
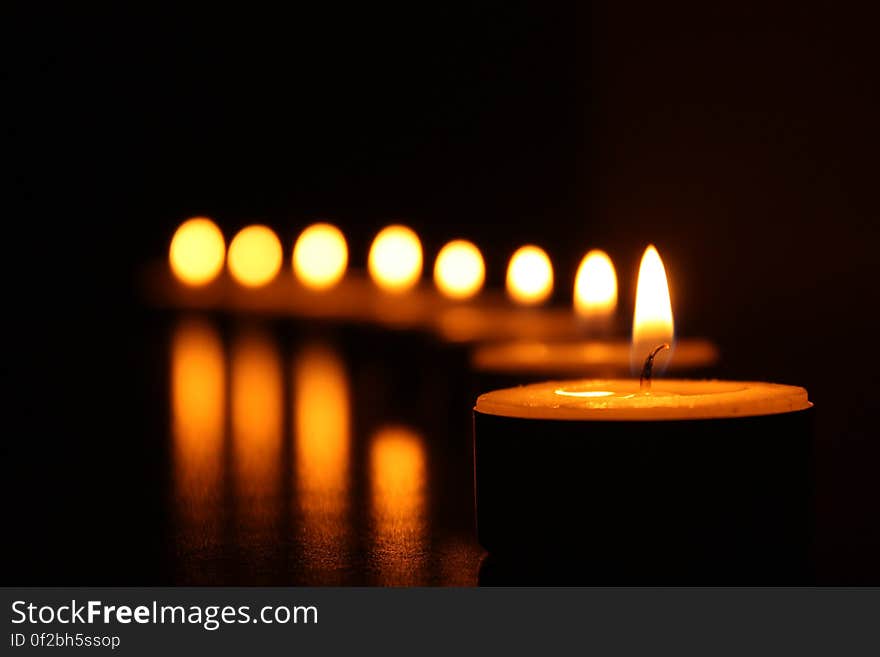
[[231, 450], [297, 459]]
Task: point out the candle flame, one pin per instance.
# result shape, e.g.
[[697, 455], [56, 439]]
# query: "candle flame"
[[254, 256], [652, 320], [320, 256], [595, 285], [459, 270], [197, 251], [395, 260], [529, 276]]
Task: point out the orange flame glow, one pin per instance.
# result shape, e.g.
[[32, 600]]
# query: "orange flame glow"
[[198, 405], [595, 286], [255, 256], [529, 276], [459, 270], [395, 259], [652, 319], [320, 256], [398, 480], [322, 453], [197, 251], [256, 426]]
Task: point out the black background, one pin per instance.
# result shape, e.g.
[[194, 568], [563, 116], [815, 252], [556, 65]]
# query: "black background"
[[739, 139]]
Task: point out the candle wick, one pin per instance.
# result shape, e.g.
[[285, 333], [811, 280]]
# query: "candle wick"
[[648, 368]]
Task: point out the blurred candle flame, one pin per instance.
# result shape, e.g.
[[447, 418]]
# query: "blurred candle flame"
[[652, 320], [529, 276], [395, 259], [255, 256], [197, 251], [398, 480], [320, 256], [322, 437], [459, 271], [198, 405], [595, 286]]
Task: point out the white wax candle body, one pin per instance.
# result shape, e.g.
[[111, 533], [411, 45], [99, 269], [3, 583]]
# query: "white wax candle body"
[[623, 400]]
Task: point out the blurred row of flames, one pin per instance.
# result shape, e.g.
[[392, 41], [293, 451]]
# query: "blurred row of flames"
[[395, 262], [228, 429], [254, 259]]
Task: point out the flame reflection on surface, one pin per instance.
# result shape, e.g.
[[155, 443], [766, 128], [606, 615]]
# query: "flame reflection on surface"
[[256, 434], [322, 437], [198, 405], [398, 483]]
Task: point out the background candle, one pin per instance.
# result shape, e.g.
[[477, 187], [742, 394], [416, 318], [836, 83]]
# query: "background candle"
[[595, 292], [526, 361], [529, 276], [197, 251], [459, 270], [320, 256], [698, 481]]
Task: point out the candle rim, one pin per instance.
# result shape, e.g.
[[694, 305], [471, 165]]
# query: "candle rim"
[[736, 403]]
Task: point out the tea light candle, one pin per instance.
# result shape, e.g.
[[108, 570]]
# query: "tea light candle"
[[670, 482], [687, 481]]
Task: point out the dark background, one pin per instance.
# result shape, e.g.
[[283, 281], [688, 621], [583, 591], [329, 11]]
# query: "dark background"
[[741, 140]]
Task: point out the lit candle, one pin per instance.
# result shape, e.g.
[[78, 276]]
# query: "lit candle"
[[529, 276], [197, 251], [459, 271], [595, 292], [255, 256], [529, 283], [324, 286], [595, 298], [320, 256], [395, 259], [641, 480], [692, 480]]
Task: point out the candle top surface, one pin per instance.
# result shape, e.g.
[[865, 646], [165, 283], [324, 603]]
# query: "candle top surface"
[[622, 399]]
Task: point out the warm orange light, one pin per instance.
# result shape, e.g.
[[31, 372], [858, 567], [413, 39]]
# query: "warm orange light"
[[529, 276], [197, 251], [320, 256], [256, 418], [459, 271], [398, 482], [322, 428], [595, 286], [254, 256], [198, 400], [322, 453], [652, 320], [198, 420], [395, 260]]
